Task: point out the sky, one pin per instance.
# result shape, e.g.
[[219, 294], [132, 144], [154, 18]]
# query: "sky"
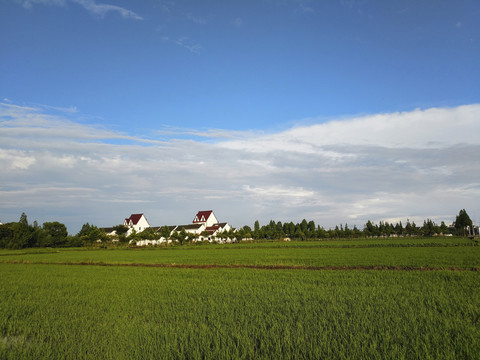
[[333, 111]]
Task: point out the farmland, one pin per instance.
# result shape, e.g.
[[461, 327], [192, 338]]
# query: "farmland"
[[257, 300]]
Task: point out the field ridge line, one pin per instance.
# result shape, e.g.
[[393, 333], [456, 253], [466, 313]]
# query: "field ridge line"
[[249, 266]]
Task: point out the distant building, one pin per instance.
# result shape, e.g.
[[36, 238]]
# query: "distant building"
[[204, 225], [137, 222], [205, 217], [192, 228]]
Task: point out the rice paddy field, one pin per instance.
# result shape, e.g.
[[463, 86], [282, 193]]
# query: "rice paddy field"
[[405, 298]]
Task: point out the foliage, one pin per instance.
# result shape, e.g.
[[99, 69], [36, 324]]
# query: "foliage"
[[89, 234], [463, 223], [165, 232], [120, 229], [19, 235], [307, 230], [54, 234]]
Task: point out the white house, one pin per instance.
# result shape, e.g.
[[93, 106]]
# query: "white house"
[[206, 217], [218, 228], [203, 223], [137, 222], [197, 228]]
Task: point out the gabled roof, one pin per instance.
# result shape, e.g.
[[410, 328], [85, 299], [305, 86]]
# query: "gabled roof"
[[135, 218], [159, 228], [189, 227], [202, 216]]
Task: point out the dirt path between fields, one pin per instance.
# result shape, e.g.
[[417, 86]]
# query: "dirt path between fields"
[[251, 266]]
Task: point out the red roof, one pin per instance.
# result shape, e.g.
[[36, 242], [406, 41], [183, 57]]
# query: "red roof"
[[202, 214], [212, 229], [135, 218]]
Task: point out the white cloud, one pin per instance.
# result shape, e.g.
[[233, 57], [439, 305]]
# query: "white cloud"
[[419, 164], [431, 128], [188, 44], [304, 6], [196, 19], [102, 9], [89, 5], [28, 4], [167, 5], [185, 43], [15, 159]]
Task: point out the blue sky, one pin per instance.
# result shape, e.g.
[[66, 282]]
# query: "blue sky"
[[204, 98]]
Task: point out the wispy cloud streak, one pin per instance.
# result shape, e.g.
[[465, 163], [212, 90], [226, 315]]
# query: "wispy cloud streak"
[[102, 9], [185, 43], [90, 5]]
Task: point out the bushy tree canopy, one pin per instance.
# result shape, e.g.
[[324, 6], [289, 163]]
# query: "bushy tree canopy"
[[463, 221]]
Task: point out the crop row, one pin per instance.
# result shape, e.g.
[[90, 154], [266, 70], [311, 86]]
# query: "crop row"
[[463, 257], [123, 313]]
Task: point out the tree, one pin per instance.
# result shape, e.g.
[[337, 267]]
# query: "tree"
[[289, 229], [183, 236], [165, 232], [429, 228], [175, 235], [256, 229], [148, 234], [321, 232], [120, 229], [462, 222], [399, 228], [444, 228], [370, 229], [84, 233], [301, 235], [356, 232], [410, 228], [55, 234], [247, 229], [304, 226], [23, 233], [347, 232], [279, 234], [6, 235], [85, 230]]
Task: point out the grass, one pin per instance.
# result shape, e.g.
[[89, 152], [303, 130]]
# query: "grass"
[[128, 312], [417, 253]]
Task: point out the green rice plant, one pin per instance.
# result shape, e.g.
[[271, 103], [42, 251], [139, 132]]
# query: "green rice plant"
[[97, 312], [308, 254]]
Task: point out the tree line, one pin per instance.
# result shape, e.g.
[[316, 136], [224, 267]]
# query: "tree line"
[[309, 231], [21, 234]]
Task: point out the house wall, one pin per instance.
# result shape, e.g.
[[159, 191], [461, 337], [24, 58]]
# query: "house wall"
[[198, 230], [226, 228], [141, 225], [212, 220]]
